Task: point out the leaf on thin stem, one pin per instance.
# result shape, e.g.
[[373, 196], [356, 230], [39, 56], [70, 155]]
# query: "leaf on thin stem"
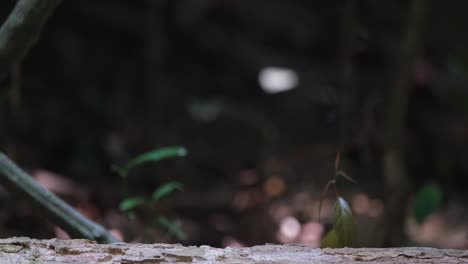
[[341, 235], [156, 155], [166, 189], [131, 203], [343, 222]]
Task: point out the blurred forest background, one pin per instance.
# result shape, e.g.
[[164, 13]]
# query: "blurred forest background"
[[263, 94]]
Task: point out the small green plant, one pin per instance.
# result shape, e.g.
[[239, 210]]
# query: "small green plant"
[[428, 199], [341, 235], [155, 155], [130, 204]]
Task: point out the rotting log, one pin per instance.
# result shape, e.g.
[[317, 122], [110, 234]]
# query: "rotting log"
[[26, 250]]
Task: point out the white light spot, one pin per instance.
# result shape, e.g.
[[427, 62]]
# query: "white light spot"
[[275, 80], [289, 228]]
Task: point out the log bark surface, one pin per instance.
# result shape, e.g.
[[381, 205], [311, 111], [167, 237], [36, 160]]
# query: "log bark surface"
[[26, 250]]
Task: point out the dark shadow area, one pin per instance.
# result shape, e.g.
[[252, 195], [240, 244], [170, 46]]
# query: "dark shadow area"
[[263, 94]]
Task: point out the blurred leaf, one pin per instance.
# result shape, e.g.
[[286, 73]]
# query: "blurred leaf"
[[343, 222], [131, 203], [205, 110], [166, 189], [428, 200], [156, 155], [342, 233], [330, 240], [172, 228]]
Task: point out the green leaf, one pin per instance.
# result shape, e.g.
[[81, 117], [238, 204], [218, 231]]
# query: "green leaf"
[[156, 155], [172, 228], [131, 203], [428, 200], [166, 189], [205, 110], [330, 240], [341, 235], [343, 222]]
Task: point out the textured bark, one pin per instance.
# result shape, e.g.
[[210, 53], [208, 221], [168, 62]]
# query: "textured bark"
[[25, 250]]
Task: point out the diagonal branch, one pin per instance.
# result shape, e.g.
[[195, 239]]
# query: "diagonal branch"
[[18, 181], [17, 35], [21, 30]]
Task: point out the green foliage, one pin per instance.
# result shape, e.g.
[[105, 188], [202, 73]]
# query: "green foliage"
[[155, 155], [165, 189], [205, 110], [428, 200], [130, 204], [341, 235], [330, 240]]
